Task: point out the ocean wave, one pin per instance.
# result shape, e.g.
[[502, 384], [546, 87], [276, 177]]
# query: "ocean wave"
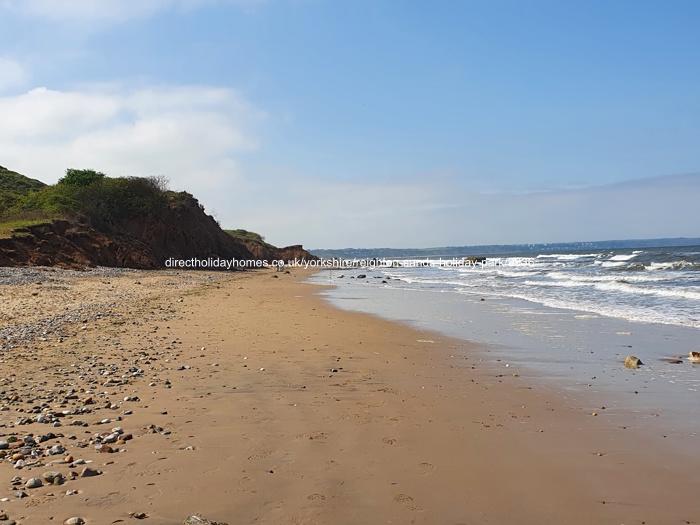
[[562, 284], [622, 286], [567, 256], [622, 257], [611, 264], [674, 265], [634, 277]]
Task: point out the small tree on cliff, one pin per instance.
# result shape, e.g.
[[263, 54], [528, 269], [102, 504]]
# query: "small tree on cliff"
[[75, 177]]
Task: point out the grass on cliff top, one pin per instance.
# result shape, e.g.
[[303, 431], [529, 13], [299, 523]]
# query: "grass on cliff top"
[[245, 235], [13, 186], [82, 195], [7, 227]]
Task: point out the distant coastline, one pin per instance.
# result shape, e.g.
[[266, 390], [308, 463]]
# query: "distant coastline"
[[504, 249]]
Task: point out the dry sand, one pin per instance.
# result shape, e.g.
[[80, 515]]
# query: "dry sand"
[[271, 407]]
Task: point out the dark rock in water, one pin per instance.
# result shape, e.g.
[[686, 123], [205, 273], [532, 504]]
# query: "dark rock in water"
[[362, 276], [196, 520], [672, 360], [383, 282], [633, 362]]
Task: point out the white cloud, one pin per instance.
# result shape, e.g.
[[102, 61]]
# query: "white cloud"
[[191, 134], [420, 211], [11, 73], [114, 11]]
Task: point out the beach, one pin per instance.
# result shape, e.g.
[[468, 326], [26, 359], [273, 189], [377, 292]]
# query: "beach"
[[248, 398]]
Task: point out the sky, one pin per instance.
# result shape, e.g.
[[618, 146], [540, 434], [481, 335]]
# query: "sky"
[[382, 123]]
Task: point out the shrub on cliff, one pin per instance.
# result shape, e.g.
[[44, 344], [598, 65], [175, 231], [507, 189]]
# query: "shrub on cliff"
[[105, 201], [13, 186], [75, 177]]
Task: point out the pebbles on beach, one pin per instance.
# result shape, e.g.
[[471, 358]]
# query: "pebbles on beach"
[[68, 377]]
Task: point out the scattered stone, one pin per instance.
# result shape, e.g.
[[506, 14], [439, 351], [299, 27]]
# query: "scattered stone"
[[196, 520], [89, 472], [633, 362], [74, 521], [56, 449], [33, 483], [51, 476]]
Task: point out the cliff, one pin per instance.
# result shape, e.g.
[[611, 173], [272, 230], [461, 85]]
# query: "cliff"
[[176, 228]]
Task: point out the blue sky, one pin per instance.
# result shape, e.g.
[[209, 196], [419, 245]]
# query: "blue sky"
[[371, 123]]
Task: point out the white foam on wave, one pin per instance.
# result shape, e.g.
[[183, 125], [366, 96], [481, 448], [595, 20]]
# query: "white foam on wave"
[[617, 310], [610, 264], [671, 265], [567, 256], [624, 257], [631, 277], [619, 286], [560, 284]]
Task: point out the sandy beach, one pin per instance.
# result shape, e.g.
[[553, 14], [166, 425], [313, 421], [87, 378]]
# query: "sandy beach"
[[246, 398]]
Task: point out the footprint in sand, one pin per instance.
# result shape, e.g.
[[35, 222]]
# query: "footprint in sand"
[[407, 500], [331, 464], [315, 436], [261, 455], [316, 497], [389, 441], [426, 468]]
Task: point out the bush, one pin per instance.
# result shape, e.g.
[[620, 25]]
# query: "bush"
[[75, 177], [105, 201]]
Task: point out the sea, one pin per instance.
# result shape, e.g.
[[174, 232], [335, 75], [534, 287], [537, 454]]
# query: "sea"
[[570, 317], [657, 285]]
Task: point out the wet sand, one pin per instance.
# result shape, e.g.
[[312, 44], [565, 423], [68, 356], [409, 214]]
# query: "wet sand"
[[251, 400]]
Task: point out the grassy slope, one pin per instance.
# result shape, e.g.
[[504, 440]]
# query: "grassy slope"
[[245, 235], [12, 187]]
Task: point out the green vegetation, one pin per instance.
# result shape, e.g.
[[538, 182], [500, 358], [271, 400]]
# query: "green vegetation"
[[83, 195], [75, 177], [13, 186], [7, 228], [245, 235]]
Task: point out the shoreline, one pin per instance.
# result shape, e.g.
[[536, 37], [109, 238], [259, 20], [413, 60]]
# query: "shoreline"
[[569, 349], [280, 408]]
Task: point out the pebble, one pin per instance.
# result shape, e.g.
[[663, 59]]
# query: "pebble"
[[50, 475], [74, 521], [197, 520], [56, 449], [33, 483], [88, 472]]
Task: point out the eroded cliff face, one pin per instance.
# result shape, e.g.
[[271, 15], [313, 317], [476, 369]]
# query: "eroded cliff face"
[[182, 231]]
